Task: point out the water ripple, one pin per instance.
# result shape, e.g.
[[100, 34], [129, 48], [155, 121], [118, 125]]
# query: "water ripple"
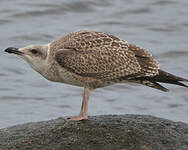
[[5, 89], [4, 21], [174, 105], [20, 98], [174, 54], [164, 2], [139, 11], [77, 7], [42, 37], [13, 70], [3, 74], [169, 28]]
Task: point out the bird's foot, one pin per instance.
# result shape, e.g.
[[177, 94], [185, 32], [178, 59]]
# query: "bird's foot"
[[78, 118]]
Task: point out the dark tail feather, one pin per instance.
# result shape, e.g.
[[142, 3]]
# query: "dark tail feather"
[[154, 85], [166, 77], [163, 77], [160, 87]]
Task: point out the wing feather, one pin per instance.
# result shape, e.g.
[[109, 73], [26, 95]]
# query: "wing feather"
[[105, 65], [103, 56]]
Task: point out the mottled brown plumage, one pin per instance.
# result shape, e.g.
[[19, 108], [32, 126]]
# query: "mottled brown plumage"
[[103, 57], [106, 59]]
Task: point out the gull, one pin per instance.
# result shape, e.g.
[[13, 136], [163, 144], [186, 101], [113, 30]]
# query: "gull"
[[93, 60]]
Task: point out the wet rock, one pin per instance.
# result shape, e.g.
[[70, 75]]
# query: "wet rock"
[[109, 132]]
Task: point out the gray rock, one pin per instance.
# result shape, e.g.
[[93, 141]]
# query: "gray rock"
[[109, 132]]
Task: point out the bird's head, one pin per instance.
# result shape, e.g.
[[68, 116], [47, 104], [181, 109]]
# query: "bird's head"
[[35, 55]]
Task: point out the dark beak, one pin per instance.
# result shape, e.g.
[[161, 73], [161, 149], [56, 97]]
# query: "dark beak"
[[13, 50]]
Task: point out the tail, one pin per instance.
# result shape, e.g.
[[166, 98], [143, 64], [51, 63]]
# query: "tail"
[[166, 77], [163, 77]]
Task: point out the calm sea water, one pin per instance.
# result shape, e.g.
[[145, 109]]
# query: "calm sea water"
[[160, 26]]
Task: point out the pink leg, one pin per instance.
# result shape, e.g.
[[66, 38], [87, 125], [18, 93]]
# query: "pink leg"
[[84, 109]]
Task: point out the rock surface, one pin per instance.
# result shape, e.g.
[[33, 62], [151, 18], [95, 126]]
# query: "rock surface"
[[109, 132]]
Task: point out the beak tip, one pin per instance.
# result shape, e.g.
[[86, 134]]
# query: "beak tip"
[[6, 50], [12, 50]]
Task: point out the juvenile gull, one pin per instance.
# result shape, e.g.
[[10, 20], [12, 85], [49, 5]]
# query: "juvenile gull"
[[92, 60]]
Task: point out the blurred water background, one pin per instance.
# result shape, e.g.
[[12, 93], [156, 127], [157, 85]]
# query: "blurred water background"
[[160, 26]]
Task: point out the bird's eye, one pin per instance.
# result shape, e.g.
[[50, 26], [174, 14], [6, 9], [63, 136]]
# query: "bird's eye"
[[34, 51]]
